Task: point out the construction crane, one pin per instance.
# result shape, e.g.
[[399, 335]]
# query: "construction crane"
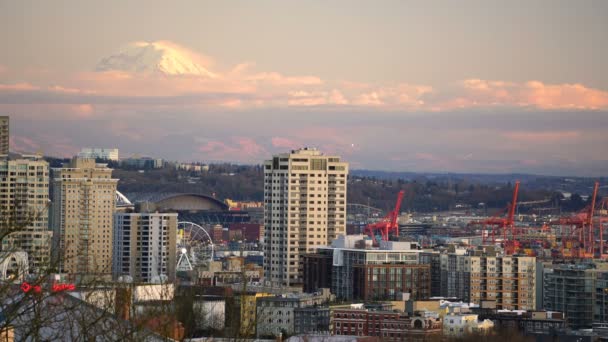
[[581, 232], [388, 223]]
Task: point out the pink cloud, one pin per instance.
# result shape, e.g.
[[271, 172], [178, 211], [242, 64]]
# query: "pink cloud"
[[542, 137], [183, 73], [316, 98], [281, 142], [474, 93], [18, 87], [44, 143], [239, 148], [425, 156], [83, 110]]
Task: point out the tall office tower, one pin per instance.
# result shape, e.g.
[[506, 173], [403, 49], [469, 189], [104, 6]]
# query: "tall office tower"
[[24, 196], [145, 246], [83, 196], [4, 131], [304, 207]]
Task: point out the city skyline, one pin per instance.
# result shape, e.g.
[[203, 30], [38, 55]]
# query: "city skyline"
[[405, 86]]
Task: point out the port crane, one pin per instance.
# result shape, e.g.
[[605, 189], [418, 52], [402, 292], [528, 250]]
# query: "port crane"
[[388, 223], [500, 224], [579, 238]]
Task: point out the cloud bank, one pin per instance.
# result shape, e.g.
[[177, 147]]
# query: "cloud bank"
[[165, 100]]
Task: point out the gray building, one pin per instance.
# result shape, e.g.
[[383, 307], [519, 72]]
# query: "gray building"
[[311, 320], [580, 291], [276, 314], [144, 246], [433, 259], [4, 134]]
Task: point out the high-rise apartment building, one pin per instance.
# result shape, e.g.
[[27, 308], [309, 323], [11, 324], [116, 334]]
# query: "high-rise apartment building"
[[145, 246], [4, 134], [24, 199], [83, 195], [305, 206], [509, 281]]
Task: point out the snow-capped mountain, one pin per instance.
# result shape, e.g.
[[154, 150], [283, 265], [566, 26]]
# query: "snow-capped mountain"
[[155, 57]]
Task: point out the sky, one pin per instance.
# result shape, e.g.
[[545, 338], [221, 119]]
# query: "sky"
[[424, 86]]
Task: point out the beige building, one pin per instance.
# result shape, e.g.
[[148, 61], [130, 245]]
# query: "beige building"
[[459, 325], [304, 207], [83, 195], [24, 199], [509, 281], [145, 246], [4, 133]]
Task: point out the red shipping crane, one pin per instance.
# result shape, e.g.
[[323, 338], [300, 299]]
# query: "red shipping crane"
[[500, 225], [388, 223], [583, 231]]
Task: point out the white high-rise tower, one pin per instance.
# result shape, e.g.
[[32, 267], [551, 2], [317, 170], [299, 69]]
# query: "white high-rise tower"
[[304, 207]]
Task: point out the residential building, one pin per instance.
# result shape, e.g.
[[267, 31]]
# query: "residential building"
[[487, 275], [276, 314], [391, 281], [24, 200], [330, 338], [311, 320], [548, 323], [579, 291], [304, 207], [359, 271], [317, 271], [388, 325], [433, 259], [145, 246], [248, 310], [99, 153], [143, 163], [84, 195], [4, 135], [458, 325]]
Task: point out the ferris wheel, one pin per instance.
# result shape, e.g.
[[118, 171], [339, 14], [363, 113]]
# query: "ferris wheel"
[[194, 246]]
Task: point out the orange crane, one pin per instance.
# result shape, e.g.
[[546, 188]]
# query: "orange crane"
[[583, 231], [388, 223], [603, 220], [497, 224]]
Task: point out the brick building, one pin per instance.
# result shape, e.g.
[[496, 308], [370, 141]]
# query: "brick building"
[[387, 325]]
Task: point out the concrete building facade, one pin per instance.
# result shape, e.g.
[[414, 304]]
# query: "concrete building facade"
[[24, 200], [82, 217], [276, 314], [4, 135], [145, 246], [304, 207]]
